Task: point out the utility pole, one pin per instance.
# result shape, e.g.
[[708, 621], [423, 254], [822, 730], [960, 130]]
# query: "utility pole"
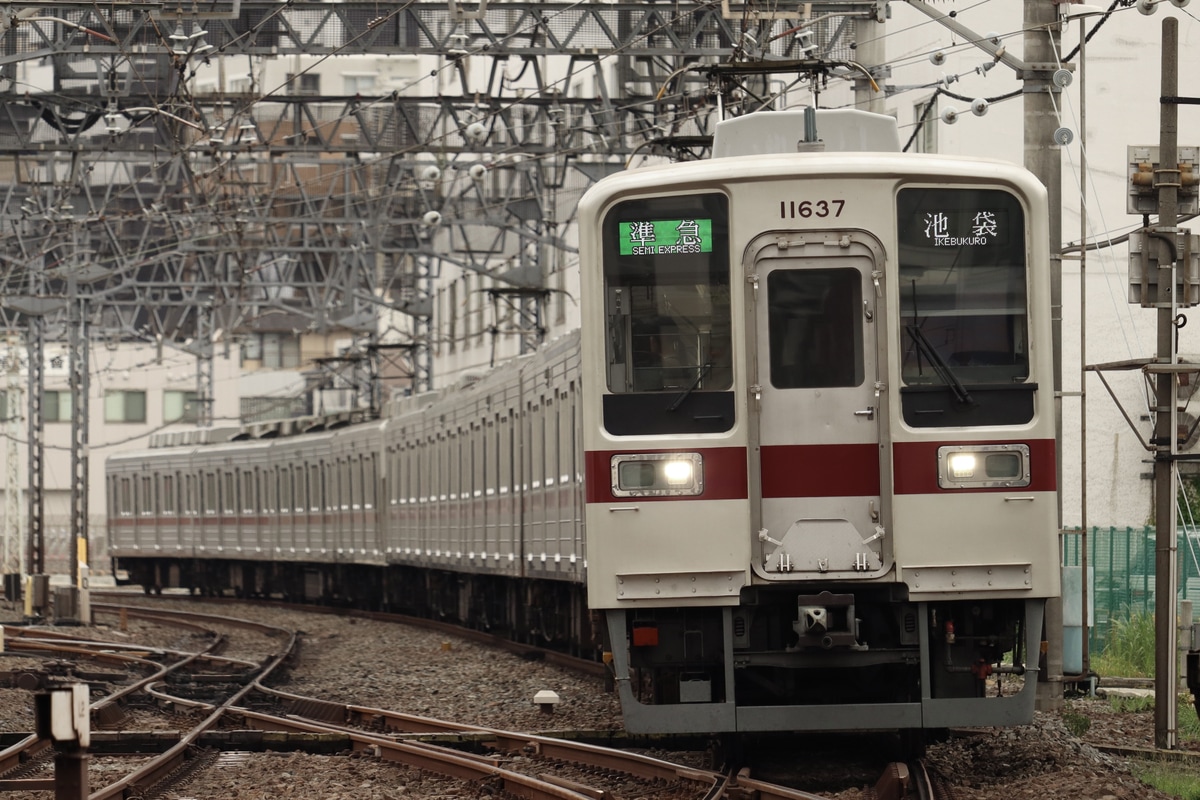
[[1166, 734], [14, 542], [1043, 157]]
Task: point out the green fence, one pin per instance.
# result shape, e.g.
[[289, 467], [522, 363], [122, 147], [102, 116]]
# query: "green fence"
[[1121, 563]]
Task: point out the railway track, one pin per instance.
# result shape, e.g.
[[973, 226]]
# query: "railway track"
[[219, 726]]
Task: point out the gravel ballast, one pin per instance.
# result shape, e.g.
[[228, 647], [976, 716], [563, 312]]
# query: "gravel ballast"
[[350, 660]]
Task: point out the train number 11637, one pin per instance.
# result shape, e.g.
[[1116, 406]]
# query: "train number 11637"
[[790, 209]]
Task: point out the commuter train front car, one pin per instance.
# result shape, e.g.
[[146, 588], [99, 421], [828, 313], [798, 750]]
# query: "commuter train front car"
[[819, 432]]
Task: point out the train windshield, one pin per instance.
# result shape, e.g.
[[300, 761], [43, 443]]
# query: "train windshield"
[[963, 303], [666, 280]]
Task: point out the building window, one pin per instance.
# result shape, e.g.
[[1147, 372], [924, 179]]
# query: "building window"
[[56, 406], [363, 83], [179, 406], [305, 83], [124, 406], [925, 116], [271, 350]]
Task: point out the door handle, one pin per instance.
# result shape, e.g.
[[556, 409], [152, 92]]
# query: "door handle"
[[868, 412]]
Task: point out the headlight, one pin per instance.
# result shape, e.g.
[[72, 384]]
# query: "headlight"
[[983, 465], [657, 475]]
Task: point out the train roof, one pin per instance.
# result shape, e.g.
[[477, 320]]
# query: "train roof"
[[840, 130]]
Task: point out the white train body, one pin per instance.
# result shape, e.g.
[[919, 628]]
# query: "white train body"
[[808, 422], [821, 452]]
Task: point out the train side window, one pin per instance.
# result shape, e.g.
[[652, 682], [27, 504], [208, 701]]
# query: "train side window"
[[229, 495], [147, 496]]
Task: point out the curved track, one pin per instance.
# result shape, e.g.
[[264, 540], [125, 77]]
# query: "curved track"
[[512, 764]]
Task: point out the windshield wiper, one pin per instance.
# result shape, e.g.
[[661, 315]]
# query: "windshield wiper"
[[939, 365], [686, 393]]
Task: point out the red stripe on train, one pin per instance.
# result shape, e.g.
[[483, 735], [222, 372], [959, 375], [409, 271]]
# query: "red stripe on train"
[[820, 470], [833, 470]]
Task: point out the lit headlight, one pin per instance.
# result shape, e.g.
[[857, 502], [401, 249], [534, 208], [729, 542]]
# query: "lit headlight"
[[962, 465], [657, 475], [983, 465]]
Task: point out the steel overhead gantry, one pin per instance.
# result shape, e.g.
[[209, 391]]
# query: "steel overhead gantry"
[[124, 110], [201, 213]]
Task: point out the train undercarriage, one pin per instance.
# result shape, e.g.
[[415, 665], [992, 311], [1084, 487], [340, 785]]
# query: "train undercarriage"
[[532, 611], [829, 661]]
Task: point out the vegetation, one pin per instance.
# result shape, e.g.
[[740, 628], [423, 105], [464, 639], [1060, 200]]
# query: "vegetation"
[[1174, 778], [1077, 724], [1129, 651]]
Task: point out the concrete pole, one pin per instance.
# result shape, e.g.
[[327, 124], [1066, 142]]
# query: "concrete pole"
[[872, 54], [1043, 157], [1166, 734]]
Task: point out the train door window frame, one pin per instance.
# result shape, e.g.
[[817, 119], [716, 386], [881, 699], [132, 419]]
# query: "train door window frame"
[[370, 481], [283, 474], [169, 499], [208, 495], [247, 491], [191, 504], [509, 467], [146, 496], [814, 320], [316, 502], [228, 493], [295, 478], [325, 487], [341, 486], [126, 498], [270, 478], [549, 428]]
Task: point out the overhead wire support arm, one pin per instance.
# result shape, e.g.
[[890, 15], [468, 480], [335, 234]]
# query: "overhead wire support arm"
[[996, 51]]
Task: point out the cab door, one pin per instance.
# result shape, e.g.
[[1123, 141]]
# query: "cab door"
[[818, 451]]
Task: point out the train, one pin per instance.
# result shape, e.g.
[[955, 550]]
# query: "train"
[[796, 471]]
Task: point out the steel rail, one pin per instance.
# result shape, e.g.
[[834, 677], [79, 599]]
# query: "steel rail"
[[27, 749], [580, 753], [555, 657], [162, 766], [455, 764]]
